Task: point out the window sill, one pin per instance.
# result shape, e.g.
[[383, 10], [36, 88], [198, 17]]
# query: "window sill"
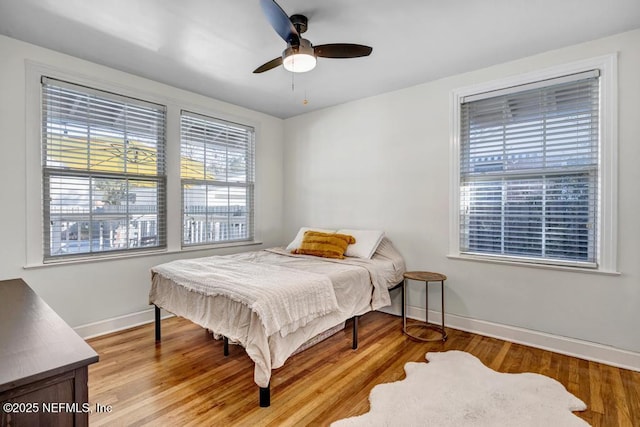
[[146, 253], [474, 258]]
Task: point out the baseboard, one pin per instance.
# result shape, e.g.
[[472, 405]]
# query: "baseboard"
[[572, 347], [115, 324]]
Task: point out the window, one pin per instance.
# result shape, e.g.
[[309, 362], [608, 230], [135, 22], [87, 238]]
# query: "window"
[[103, 172], [530, 166], [217, 175]]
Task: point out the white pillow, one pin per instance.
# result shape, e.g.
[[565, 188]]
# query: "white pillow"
[[367, 242], [295, 244]]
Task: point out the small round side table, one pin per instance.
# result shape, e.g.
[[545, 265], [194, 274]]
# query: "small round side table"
[[426, 277]]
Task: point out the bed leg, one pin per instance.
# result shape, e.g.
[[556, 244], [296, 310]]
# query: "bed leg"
[[354, 344], [157, 310], [226, 346], [265, 396]]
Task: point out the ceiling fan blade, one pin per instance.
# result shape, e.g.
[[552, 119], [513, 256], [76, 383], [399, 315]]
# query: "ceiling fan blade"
[[342, 50], [280, 22], [269, 65]]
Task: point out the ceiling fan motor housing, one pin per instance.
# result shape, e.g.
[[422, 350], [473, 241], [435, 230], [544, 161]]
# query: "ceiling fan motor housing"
[[305, 47], [300, 22], [299, 58]]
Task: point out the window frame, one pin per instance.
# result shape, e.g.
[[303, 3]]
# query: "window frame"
[[248, 184], [102, 100], [607, 167]]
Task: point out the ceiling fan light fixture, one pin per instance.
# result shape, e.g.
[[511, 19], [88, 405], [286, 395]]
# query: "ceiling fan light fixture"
[[299, 59], [300, 55]]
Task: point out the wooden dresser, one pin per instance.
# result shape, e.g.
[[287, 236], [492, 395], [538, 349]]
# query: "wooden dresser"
[[43, 363]]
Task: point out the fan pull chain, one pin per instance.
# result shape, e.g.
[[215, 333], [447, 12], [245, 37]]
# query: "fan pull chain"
[[305, 101]]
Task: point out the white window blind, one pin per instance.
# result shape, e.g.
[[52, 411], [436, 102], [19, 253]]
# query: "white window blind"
[[217, 174], [104, 179], [529, 159]]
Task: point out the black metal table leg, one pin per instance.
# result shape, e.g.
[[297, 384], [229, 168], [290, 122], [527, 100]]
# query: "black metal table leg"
[[403, 301], [444, 336]]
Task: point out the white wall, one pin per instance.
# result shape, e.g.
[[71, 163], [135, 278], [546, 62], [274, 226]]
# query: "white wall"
[[84, 293], [383, 163]]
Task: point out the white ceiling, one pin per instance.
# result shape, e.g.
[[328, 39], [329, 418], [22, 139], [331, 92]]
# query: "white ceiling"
[[212, 46]]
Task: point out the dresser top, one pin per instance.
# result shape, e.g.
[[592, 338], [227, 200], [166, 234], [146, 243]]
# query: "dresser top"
[[35, 343]]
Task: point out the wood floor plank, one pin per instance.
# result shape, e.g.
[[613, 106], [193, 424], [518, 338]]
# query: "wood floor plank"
[[615, 399], [498, 360], [632, 392], [595, 383], [185, 380], [573, 379]]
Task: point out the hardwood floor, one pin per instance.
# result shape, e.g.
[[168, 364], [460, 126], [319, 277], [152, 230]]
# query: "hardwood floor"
[[185, 380]]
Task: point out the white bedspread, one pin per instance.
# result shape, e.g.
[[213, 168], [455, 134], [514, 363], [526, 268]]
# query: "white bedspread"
[[283, 298]]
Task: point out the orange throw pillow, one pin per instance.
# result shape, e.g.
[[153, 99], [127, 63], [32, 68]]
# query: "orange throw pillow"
[[326, 245]]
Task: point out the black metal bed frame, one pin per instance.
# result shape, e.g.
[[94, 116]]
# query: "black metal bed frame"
[[265, 392]]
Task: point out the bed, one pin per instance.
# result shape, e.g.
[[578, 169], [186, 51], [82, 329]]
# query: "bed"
[[273, 302]]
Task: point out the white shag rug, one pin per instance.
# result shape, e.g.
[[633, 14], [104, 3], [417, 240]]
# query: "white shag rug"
[[456, 389]]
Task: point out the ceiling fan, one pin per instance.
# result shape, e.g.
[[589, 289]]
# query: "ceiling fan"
[[300, 55]]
